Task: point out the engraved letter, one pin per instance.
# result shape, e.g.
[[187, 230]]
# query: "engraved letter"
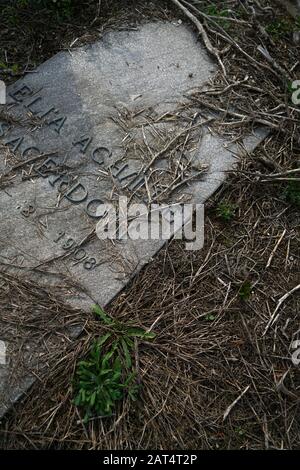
[[95, 214], [29, 150], [21, 94], [3, 128], [32, 102], [49, 166], [58, 123], [70, 195], [84, 142], [97, 156], [16, 142]]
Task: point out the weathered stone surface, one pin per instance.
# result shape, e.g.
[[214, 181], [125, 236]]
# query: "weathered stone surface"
[[92, 111]]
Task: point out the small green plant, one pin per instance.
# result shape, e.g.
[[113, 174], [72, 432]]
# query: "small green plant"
[[279, 28], [292, 193], [23, 3], [10, 14], [240, 431], [245, 290], [107, 375], [15, 68], [100, 383], [210, 317], [226, 211], [213, 10]]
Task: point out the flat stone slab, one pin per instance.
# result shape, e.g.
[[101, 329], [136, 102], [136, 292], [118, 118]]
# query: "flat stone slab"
[[89, 125]]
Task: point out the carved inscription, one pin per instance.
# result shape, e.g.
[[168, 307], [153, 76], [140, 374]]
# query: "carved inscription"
[[58, 178]]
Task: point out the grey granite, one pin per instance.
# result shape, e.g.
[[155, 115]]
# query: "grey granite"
[[95, 97]]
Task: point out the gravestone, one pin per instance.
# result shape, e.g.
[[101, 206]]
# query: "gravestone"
[[109, 119]]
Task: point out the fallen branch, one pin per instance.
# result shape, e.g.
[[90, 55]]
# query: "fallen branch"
[[272, 61], [282, 388], [280, 302], [211, 49], [231, 41], [275, 249], [230, 407]]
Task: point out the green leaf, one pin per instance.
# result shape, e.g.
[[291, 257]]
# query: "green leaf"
[[117, 365], [93, 398], [245, 290], [140, 333], [105, 372], [129, 379], [150, 335], [104, 338], [210, 317], [97, 310], [107, 357], [126, 354], [77, 400]]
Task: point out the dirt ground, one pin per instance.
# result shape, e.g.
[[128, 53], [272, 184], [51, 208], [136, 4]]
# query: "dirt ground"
[[219, 374]]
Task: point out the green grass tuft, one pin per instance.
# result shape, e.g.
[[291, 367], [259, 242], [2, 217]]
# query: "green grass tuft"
[[245, 290], [226, 211], [107, 374]]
